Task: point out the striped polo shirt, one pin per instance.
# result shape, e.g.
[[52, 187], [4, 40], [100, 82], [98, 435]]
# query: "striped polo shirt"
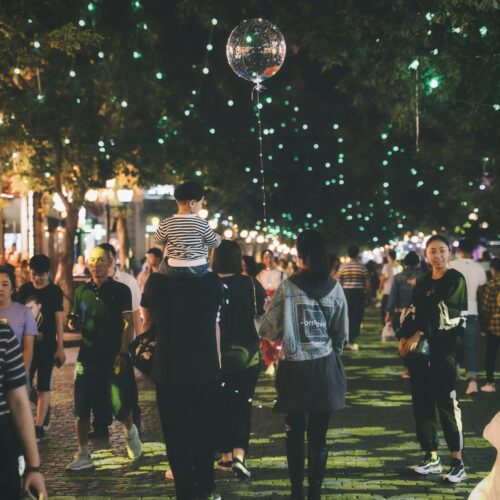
[[12, 374], [186, 239], [352, 275]]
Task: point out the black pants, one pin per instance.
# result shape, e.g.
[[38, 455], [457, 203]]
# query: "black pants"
[[316, 427], [433, 385], [235, 409], [10, 482], [187, 414], [492, 343], [383, 307], [355, 308]]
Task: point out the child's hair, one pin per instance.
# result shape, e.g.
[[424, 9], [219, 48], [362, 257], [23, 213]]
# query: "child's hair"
[[189, 190], [40, 264]]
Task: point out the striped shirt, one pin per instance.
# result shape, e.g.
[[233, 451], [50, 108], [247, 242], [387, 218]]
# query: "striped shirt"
[[12, 374], [353, 275], [186, 239]]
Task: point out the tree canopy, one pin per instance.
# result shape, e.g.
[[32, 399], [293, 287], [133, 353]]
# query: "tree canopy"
[[92, 87]]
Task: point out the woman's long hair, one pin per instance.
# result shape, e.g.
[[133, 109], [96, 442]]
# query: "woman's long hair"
[[311, 247]]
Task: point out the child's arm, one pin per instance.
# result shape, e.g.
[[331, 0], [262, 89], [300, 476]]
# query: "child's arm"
[[211, 239], [161, 236]]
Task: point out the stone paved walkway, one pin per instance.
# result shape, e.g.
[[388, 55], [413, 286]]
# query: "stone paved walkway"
[[371, 441]]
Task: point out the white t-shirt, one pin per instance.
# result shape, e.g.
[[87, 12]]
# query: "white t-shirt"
[[475, 276], [388, 271], [131, 282]]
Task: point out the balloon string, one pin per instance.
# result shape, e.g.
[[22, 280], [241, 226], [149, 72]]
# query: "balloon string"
[[257, 90], [417, 112]]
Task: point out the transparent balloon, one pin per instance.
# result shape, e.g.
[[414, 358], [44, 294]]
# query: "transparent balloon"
[[256, 50]]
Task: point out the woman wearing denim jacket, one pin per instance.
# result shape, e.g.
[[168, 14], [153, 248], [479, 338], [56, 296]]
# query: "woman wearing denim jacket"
[[308, 313]]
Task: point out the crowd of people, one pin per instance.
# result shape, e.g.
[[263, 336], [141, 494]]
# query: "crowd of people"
[[214, 325]]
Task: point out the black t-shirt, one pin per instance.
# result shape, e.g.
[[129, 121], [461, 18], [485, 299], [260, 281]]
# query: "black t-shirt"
[[100, 312], [242, 301], [185, 312], [44, 302]]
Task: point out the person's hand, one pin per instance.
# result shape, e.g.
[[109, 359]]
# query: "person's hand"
[[61, 356], [411, 344], [35, 481]]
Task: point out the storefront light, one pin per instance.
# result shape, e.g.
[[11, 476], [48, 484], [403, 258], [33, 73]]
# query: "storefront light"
[[125, 195], [91, 195], [244, 233], [228, 233]]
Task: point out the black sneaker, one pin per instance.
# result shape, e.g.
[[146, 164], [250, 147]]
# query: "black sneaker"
[[39, 433], [46, 422], [214, 495], [428, 465], [457, 472], [240, 469], [225, 466]]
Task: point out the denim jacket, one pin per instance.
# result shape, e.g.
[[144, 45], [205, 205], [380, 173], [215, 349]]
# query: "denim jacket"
[[310, 324]]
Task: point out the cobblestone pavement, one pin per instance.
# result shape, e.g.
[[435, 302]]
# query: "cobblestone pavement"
[[371, 441]]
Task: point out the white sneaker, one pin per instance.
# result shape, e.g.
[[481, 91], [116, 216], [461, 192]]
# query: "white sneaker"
[[134, 445], [472, 387], [80, 462], [270, 370], [489, 387]]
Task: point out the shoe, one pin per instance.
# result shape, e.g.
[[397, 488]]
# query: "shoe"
[[270, 370], [457, 472], [39, 433], [214, 495], [428, 465], [99, 434], [225, 466], [406, 373], [80, 462], [46, 422], [489, 387], [134, 445], [240, 470], [472, 387], [169, 475], [21, 465]]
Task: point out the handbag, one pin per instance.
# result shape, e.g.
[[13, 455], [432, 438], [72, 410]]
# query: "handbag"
[[408, 329], [142, 350]]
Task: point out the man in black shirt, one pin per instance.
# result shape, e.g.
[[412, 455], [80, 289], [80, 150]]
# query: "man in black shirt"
[[46, 301], [186, 371], [102, 308]]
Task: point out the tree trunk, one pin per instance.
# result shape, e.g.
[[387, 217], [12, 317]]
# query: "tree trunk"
[[66, 256], [122, 233]]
